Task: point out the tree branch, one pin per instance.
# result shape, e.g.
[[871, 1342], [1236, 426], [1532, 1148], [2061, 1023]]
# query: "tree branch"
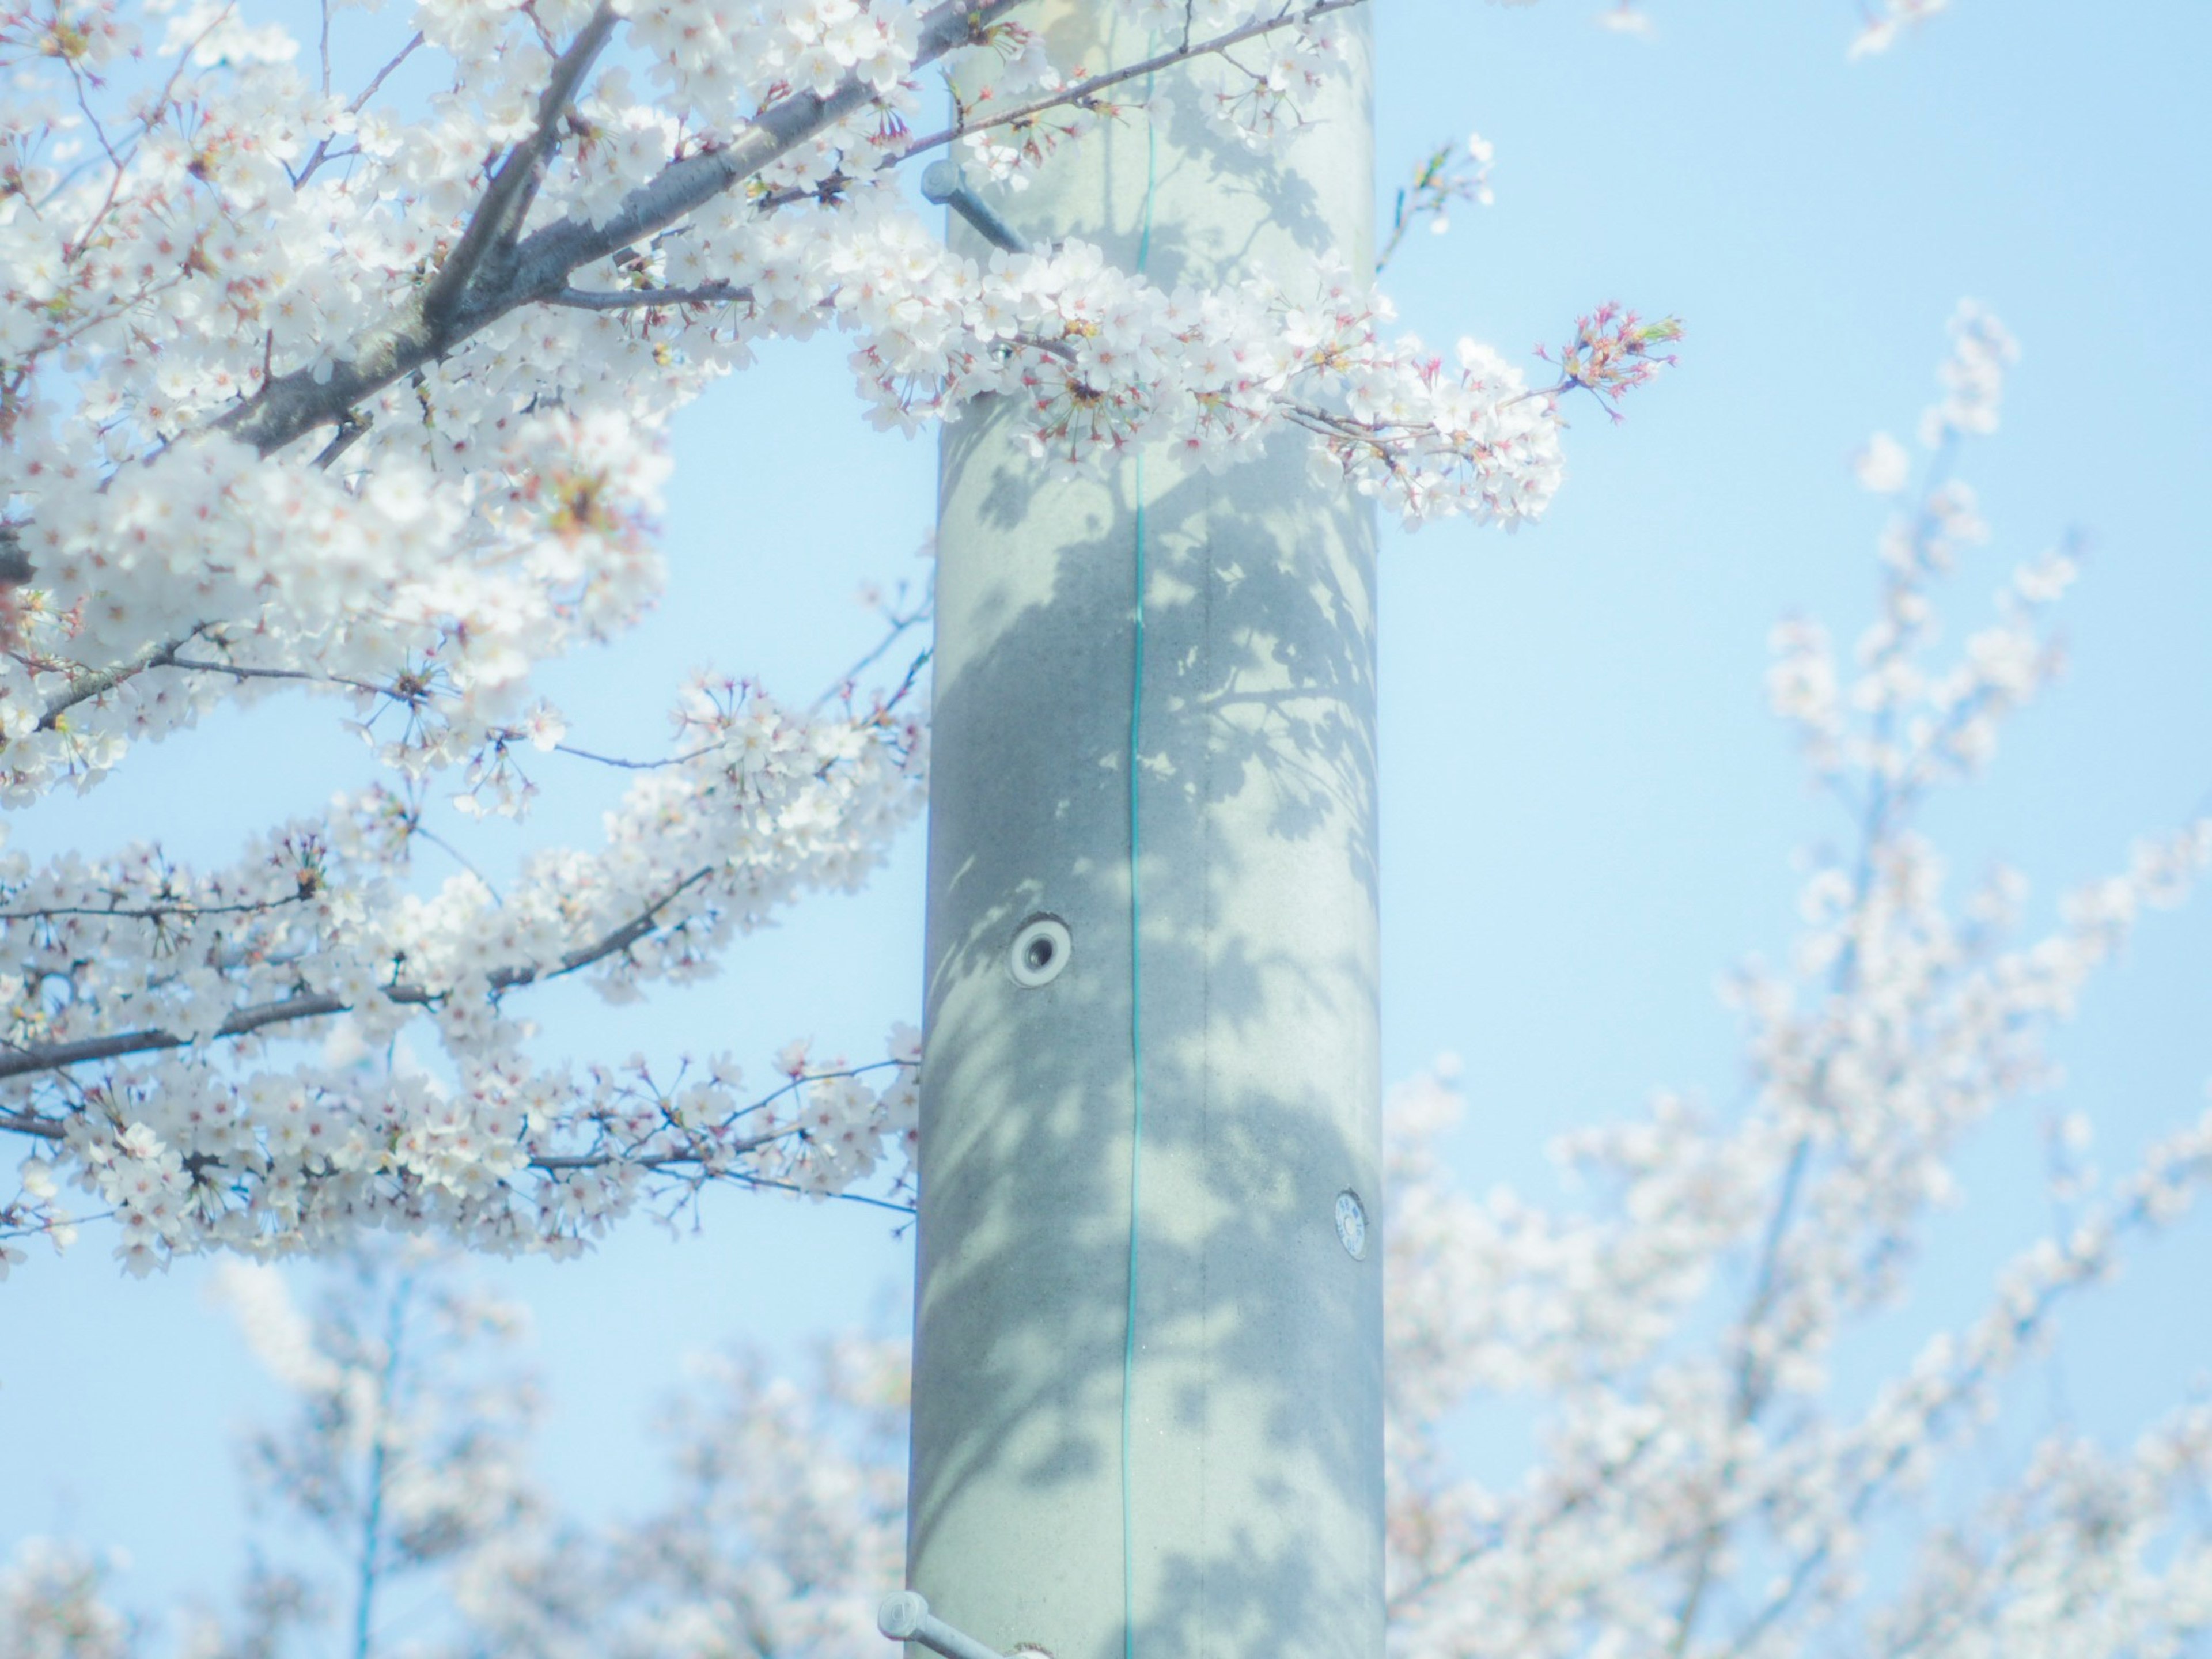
[[158, 912], [52, 1057], [1084, 89], [580, 299], [497, 225], [88, 686], [291, 405], [240, 672]]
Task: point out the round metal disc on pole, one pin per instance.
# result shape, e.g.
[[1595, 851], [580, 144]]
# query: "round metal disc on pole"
[[1253, 1495]]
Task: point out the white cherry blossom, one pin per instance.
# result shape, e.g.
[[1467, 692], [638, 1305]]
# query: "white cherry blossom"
[[311, 389]]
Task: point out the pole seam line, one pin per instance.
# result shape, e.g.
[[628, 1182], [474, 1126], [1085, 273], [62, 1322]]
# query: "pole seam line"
[[1136, 960]]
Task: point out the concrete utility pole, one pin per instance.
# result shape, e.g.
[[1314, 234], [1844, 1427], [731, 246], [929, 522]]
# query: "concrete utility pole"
[[1255, 1457]]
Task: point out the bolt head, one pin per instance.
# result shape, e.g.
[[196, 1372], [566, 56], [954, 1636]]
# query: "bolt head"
[[901, 1614]]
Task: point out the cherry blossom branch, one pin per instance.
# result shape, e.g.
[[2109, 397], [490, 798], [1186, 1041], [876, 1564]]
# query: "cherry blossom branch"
[[579, 299], [99, 683], [147, 115], [88, 686], [182, 908], [556, 1164], [322, 150], [1085, 90], [2024, 1323], [27, 1062], [1876, 826], [286, 408], [1601, 1480], [497, 225], [244, 672]]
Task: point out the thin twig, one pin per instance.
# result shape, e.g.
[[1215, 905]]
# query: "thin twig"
[[629, 765], [1098, 83], [184, 908], [322, 152], [900, 623], [27, 1061]]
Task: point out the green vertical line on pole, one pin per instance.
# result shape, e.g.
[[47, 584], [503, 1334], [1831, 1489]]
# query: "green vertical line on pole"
[[1136, 969]]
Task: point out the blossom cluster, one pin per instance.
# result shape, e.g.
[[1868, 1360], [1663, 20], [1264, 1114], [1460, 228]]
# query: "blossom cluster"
[[54, 1600], [1099, 359], [1612, 353], [1707, 1483], [195, 1128], [1712, 1474], [406, 1444], [1901, 724], [354, 383]]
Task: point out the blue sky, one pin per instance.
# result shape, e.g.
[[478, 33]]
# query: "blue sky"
[[1588, 815]]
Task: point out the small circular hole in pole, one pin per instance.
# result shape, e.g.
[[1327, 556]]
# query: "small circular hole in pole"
[[1352, 1223], [1040, 951]]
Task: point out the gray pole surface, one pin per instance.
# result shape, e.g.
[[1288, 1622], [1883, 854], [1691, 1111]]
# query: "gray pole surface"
[[1255, 1459]]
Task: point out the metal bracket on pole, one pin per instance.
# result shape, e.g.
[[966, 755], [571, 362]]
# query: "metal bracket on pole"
[[905, 1616], [943, 183]]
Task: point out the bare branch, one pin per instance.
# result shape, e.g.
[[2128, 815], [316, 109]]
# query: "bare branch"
[[899, 622], [629, 765]]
